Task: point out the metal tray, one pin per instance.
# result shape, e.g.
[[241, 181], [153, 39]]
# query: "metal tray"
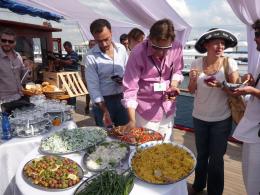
[[48, 152], [29, 180], [153, 143], [93, 149]]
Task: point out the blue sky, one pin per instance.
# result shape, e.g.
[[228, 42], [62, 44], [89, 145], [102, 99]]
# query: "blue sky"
[[200, 14], [198, 4]]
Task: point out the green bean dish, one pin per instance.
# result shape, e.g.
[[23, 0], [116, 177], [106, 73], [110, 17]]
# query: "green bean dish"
[[107, 183]]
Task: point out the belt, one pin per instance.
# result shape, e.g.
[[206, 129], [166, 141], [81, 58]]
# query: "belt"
[[119, 95]]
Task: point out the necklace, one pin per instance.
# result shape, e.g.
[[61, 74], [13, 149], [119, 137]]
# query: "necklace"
[[211, 69]]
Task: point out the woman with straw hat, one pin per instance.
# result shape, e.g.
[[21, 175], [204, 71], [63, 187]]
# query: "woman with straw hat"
[[211, 113]]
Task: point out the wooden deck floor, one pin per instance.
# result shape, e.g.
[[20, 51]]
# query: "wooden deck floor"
[[233, 174]]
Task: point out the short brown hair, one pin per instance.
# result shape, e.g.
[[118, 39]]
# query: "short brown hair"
[[8, 31], [135, 34], [97, 26], [162, 30], [256, 24], [68, 44]]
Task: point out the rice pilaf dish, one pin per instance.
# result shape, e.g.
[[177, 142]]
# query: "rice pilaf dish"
[[167, 163]]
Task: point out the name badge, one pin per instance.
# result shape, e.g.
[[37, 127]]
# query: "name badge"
[[159, 86]]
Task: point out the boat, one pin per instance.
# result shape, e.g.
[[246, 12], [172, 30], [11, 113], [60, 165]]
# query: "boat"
[[238, 53]]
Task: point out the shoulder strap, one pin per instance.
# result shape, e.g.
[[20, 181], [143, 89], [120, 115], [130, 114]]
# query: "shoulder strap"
[[257, 80], [226, 67]]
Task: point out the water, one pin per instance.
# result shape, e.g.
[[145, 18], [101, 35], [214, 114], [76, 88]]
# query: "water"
[[184, 111], [6, 127], [185, 82]]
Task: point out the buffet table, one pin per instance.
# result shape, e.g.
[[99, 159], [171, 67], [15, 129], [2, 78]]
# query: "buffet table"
[[23, 188], [13, 151]]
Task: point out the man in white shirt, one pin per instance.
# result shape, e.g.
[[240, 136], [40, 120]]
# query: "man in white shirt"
[[248, 128], [105, 66]]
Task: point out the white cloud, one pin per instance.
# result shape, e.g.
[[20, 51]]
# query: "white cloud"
[[105, 6], [214, 13], [217, 14], [180, 7]]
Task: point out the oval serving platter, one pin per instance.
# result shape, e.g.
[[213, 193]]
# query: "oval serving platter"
[[137, 136], [69, 141], [44, 178], [85, 184], [154, 143]]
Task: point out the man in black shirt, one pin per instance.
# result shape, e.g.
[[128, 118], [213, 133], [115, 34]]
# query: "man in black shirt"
[[70, 61]]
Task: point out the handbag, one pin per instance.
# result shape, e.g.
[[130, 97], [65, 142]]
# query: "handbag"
[[236, 103]]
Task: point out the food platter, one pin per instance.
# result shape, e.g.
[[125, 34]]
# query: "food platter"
[[52, 173], [232, 86], [107, 182], [72, 140], [172, 162], [107, 155], [136, 135]]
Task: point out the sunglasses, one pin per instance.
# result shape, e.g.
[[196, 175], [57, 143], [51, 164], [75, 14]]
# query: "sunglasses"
[[257, 34], [161, 48], [6, 40]]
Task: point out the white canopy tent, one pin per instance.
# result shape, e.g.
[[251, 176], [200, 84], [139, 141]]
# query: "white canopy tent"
[[248, 11], [80, 13], [143, 13]]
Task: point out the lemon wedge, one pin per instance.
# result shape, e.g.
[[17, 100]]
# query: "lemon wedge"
[[72, 176]]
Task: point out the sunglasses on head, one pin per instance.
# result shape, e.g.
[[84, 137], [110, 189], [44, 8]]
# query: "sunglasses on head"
[[6, 40], [257, 34], [161, 48]]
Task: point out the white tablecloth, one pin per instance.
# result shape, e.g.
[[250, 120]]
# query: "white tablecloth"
[[140, 188], [13, 151]]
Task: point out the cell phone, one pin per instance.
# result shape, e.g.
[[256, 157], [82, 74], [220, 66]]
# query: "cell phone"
[[117, 78], [210, 79], [171, 94]]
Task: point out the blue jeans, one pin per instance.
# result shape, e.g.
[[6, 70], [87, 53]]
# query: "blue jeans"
[[72, 101], [211, 143], [117, 111]]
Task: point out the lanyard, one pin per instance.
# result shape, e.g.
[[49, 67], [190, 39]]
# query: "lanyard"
[[113, 73], [159, 69]]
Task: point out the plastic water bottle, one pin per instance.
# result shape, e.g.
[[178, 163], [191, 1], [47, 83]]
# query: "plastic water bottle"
[[6, 127]]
